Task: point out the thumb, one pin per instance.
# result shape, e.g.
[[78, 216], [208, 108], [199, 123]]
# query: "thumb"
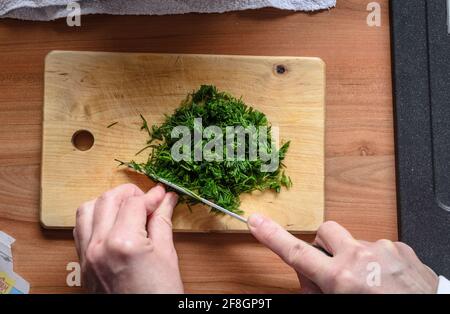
[[301, 256]]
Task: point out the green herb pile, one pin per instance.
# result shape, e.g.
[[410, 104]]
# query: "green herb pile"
[[218, 181]]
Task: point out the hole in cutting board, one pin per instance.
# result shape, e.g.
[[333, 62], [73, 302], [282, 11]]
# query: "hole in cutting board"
[[280, 69], [83, 140]]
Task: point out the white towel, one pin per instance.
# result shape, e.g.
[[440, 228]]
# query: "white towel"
[[45, 10]]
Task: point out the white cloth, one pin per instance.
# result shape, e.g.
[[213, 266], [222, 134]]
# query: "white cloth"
[[45, 10], [444, 286]]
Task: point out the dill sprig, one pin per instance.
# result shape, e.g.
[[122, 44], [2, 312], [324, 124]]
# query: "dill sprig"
[[220, 181], [112, 124]]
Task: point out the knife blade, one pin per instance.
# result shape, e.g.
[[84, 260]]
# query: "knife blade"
[[201, 199], [138, 169]]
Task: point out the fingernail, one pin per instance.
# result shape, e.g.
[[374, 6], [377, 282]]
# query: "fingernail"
[[255, 220]]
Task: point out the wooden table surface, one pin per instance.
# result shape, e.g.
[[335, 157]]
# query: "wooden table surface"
[[360, 169]]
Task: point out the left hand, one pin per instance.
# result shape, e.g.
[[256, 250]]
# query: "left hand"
[[124, 242]]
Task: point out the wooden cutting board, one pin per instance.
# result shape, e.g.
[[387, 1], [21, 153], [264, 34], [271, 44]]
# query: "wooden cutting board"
[[89, 91]]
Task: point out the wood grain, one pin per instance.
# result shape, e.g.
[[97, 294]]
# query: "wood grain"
[[89, 91], [360, 165]]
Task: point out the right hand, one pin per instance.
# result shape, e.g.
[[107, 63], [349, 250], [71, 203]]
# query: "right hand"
[[353, 263]]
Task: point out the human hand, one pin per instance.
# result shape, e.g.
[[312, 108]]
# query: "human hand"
[[124, 242], [352, 261]]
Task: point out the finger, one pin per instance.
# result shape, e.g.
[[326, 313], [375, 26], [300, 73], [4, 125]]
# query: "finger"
[[83, 227], [165, 209], [304, 258], [307, 286], [333, 237], [159, 225], [132, 215], [108, 205]]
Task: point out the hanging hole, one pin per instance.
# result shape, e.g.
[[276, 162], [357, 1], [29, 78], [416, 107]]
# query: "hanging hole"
[[83, 140], [280, 69]]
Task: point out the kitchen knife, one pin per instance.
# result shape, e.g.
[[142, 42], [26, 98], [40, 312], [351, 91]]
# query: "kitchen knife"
[[201, 199], [205, 201], [185, 191]]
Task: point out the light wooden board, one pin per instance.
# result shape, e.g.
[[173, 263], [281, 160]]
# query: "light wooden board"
[[91, 90]]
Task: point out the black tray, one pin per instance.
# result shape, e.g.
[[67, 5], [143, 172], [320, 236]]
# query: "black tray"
[[421, 71]]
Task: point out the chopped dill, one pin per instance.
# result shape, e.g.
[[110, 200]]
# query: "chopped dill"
[[221, 181]]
